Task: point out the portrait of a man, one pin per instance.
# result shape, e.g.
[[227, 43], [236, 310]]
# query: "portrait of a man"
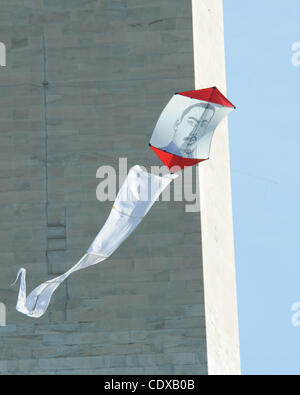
[[189, 128]]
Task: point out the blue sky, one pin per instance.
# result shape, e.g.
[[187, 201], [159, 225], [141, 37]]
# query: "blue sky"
[[265, 162]]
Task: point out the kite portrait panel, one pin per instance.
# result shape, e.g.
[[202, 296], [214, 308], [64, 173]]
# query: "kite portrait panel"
[[184, 131]]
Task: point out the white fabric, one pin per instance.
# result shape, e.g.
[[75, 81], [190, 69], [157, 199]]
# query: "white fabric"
[[136, 196]]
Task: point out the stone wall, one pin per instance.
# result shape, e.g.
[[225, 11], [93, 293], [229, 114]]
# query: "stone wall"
[[221, 315], [84, 85]]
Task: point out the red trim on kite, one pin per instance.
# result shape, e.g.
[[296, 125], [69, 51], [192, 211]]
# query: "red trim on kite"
[[171, 160], [212, 95]]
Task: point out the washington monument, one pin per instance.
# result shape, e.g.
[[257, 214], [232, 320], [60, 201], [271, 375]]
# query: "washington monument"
[[83, 85]]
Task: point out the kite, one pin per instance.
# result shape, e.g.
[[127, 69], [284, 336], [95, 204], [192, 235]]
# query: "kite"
[[184, 131], [181, 138]]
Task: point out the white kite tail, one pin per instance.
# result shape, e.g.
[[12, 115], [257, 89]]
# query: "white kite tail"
[[37, 302], [136, 196]]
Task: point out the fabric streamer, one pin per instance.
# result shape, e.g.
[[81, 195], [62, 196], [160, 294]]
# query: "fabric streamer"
[[136, 196]]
